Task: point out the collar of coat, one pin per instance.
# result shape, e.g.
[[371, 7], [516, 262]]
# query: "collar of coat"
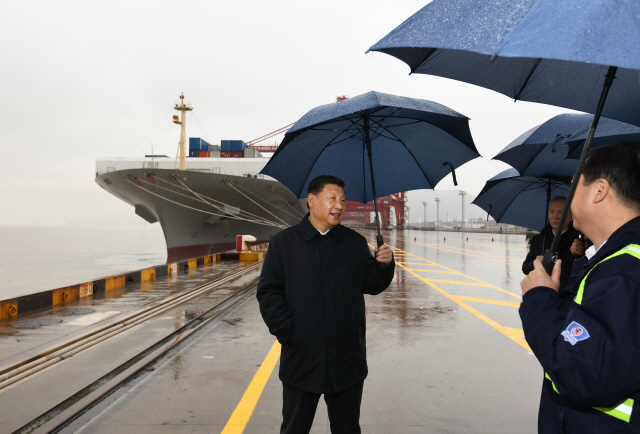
[[309, 231]]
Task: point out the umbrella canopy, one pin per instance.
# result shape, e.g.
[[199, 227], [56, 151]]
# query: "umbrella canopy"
[[520, 200], [547, 51], [539, 151], [609, 131], [407, 143], [411, 140]]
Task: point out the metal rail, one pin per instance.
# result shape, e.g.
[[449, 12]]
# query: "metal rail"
[[56, 419], [25, 368]]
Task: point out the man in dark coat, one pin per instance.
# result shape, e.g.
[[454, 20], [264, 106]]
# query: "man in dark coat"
[[311, 295], [570, 246], [589, 346]]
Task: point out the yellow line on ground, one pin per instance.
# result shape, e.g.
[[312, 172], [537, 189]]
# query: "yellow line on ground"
[[515, 335], [431, 271], [241, 415], [431, 263], [488, 301], [462, 251], [455, 282]]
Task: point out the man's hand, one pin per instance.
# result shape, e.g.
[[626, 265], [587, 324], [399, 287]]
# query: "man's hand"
[[539, 277], [384, 254], [540, 258], [578, 247]]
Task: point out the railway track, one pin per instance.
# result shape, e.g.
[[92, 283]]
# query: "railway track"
[[67, 416]]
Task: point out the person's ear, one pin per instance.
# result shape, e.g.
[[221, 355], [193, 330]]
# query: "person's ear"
[[311, 198], [601, 190]]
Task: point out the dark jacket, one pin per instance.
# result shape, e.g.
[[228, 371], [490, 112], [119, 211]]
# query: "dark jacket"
[[600, 369], [541, 242], [311, 298]]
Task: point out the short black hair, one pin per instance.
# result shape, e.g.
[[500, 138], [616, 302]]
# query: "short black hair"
[[317, 184], [619, 164]]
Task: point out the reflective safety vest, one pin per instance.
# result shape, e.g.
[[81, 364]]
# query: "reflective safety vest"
[[623, 410]]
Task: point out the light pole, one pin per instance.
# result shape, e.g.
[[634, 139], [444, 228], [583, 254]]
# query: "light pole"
[[425, 214], [437, 212], [463, 194]]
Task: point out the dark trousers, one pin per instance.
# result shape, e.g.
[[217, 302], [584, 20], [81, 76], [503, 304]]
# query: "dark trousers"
[[299, 409]]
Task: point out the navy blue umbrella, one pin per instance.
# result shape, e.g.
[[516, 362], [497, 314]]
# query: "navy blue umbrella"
[[408, 143], [557, 52], [540, 151], [520, 200], [609, 131]]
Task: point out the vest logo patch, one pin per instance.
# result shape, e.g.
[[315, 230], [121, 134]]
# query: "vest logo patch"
[[575, 333]]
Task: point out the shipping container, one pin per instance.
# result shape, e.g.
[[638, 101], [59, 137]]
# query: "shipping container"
[[225, 145], [251, 153], [238, 145], [213, 148], [194, 152], [231, 154], [194, 143], [204, 145], [204, 154], [214, 154]]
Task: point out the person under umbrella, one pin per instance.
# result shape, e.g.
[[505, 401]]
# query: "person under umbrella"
[[315, 273], [311, 295], [570, 248]]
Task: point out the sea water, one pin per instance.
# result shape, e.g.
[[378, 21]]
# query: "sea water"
[[34, 259]]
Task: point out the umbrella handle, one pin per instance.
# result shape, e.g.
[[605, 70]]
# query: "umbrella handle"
[[379, 240], [453, 172]]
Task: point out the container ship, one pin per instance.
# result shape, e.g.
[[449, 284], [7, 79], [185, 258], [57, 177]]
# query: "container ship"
[[212, 193]]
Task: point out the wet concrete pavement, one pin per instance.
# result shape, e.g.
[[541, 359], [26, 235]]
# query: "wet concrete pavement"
[[23, 401], [445, 353]]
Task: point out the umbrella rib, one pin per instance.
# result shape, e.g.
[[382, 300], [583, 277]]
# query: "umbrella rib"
[[410, 153], [528, 78]]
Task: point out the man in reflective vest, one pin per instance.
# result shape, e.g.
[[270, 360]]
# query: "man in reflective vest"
[[589, 346]]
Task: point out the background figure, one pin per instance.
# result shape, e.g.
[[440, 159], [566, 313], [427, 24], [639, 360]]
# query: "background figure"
[[311, 295], [569, 248]]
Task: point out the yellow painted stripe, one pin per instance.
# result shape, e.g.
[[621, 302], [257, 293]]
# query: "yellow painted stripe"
[[488, 301], [422, 270], [241, 415], [515, 335], [455, 282]]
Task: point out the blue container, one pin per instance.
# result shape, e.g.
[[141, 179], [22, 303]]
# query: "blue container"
[[238, 145], [194, 143], [203, 145], [225, 145], [194, 153]]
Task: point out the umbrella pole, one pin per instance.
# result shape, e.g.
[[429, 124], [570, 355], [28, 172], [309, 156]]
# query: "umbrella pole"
[[551, 255], [546, 216], [367, 141]]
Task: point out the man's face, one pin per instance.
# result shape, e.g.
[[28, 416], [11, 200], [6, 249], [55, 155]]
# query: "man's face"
[[555, 212], [328, 206], [579, 205]]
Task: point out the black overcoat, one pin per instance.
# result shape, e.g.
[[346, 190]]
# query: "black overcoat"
[[311, 295], [541, 242]]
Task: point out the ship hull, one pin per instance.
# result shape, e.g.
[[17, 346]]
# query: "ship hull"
[[201, 213]]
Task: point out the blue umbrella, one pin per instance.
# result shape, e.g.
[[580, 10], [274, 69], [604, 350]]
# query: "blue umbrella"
[[520, 200], [549, 51], [609, 131], [408, 143], [540, 151]]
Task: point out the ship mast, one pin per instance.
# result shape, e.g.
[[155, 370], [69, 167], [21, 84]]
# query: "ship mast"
[[183, 136]]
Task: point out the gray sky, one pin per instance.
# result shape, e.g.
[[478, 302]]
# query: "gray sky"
[[82, 80]]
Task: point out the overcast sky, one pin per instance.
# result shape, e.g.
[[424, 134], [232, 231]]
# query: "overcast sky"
[[82, 80]]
